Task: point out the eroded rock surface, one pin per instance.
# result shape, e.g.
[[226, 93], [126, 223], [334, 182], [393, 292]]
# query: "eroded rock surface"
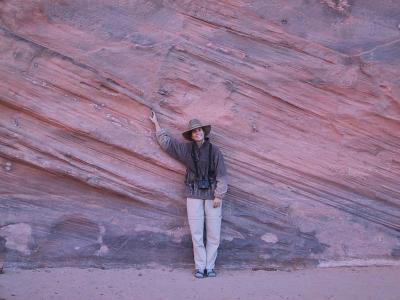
[[303, 96]]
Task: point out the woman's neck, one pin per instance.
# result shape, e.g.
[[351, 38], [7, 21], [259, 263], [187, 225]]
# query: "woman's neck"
[[200, 143]]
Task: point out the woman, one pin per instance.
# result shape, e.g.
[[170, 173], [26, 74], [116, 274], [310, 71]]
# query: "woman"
[[205, 186]]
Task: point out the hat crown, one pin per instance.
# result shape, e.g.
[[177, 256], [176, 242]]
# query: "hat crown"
[[194, 123]]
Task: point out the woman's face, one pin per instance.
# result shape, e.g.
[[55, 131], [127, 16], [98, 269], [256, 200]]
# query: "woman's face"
[[198, 134]]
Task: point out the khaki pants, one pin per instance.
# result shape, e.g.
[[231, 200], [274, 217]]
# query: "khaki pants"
[[197, 209]]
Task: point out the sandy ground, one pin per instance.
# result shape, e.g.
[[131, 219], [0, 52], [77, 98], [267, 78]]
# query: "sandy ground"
[[160, 283]]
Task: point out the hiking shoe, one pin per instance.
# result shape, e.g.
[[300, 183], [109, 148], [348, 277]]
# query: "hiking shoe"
[[211, 273], [199, 274]]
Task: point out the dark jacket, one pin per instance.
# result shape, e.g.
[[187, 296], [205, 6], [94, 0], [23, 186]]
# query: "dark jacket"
[[182, 151]]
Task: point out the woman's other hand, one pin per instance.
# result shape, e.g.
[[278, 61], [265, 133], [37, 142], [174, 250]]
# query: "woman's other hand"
[[217, 202]]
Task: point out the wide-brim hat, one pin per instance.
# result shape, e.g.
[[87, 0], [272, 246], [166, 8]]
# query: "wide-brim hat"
[[193, 124]]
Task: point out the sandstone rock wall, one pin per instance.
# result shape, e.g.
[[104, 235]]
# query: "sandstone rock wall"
[[303, 96]]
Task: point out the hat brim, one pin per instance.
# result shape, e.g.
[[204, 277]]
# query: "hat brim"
[[188, 133]]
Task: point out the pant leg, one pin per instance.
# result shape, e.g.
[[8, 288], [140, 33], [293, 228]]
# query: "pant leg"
[[213, 228], [195, 212]]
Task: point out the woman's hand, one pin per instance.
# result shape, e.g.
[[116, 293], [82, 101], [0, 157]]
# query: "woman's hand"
[[153, 118], [217, 202]]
